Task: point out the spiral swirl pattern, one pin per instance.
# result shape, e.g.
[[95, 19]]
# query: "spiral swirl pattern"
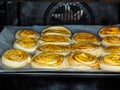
[[15, 55]]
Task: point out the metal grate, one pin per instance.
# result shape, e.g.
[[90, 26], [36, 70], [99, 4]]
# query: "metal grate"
[[39, 13], [69, 13]]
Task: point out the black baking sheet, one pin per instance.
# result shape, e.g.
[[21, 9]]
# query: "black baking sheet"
[[7, 37]]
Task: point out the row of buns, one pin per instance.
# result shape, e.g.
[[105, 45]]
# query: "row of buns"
[[56, 47], [15, 58], [111, 42]]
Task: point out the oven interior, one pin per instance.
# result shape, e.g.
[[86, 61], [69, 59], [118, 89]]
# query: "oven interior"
[[58, 13]]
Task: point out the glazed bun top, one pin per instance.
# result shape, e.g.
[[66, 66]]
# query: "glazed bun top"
[[27, 33], [15, 55], [83, 57], [112, 59], [109, 31], [80, 59], [55, 38], [112, 49], [56, 30], [53, 48], [27, 42], [48, 59], [112, 40], [83, 46], [84, 36]]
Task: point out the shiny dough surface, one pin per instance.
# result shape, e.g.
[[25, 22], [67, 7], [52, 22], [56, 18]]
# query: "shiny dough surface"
[[54, 38], [81, 46], [27, 42], [112, 49], [49, 59], [56, 29], [79, 58], [53, 48], [82, 36], [110, 30], [15, 55], [112, 39], [112, 59], [27, 33]]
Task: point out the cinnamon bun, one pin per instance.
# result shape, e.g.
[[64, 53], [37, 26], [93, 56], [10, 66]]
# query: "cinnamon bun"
[[27, 33], [90, 48], [60, 49], [111, 41], [110, 50], [85, 37], [83, 61], [48, 60], [27, 44], [56, 39], [15, 58], [56, 30], [110, 62], [109, 31]]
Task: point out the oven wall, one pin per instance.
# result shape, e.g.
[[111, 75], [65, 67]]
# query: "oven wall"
[[33, 13]]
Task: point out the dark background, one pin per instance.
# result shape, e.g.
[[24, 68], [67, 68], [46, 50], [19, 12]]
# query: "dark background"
[[58, 83], [39, 13]]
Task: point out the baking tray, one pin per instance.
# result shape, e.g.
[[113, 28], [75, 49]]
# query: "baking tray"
[[7, 38]]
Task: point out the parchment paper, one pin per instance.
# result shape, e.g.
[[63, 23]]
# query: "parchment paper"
[[7, 37]]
